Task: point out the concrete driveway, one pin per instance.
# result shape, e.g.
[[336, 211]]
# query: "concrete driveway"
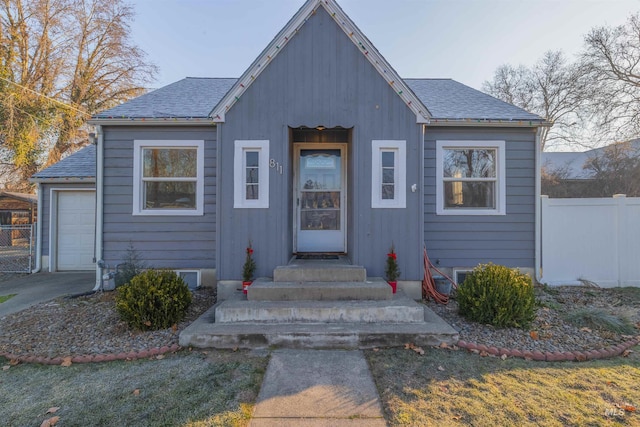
[[41, 287]]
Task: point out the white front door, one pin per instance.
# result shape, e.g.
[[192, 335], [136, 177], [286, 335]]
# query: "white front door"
[[320, 198]]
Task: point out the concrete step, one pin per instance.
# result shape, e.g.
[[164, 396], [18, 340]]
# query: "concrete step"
[[339, 270], [206, 333], [398, 310], [371, 289]]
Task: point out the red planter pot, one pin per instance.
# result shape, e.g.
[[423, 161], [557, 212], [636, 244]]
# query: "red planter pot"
[[245, 287], [394, 286]]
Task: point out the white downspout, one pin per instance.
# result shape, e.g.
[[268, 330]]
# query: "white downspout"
[[39, 230], [99, 204], [538, 208]]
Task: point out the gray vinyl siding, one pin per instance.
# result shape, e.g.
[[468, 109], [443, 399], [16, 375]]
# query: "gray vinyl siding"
[[46, 208], [465, 241], [170, 241], [320, 78]]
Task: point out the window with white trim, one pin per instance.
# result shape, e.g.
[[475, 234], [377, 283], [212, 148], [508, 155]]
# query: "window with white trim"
[[251, 174], [471, 178], [168, 177], [388, 174]]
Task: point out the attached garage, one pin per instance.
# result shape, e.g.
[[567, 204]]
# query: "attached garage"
[[67, 213], [74, 231]]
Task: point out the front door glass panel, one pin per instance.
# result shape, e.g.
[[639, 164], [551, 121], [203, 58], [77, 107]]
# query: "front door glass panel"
[[320, 210]]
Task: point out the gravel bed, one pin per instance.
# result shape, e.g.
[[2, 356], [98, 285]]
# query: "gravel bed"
[[550, 332], [89, 325]]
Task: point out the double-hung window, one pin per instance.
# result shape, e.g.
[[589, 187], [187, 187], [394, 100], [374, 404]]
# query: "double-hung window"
[[168, 177], [388, 174], [471, 178], [251, 174]]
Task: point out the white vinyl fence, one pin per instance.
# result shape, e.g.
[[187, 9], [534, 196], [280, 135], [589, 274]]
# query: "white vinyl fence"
[[591, 239]]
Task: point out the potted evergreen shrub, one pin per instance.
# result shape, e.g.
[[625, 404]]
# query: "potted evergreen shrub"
[[392, 271], [248, 269]]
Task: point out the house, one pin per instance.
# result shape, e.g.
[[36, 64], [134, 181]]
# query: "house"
[[66, 214], [573, 174], [320, 147]]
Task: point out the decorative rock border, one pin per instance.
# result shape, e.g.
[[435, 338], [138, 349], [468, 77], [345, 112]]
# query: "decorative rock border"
[[555, 356], [548, 356], [133, 355]]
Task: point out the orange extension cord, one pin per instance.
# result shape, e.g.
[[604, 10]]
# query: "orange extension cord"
[[429, 285]]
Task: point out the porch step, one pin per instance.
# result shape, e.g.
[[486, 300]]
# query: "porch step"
[[206, 333], [339, 270], [399, 310], [371, 289]]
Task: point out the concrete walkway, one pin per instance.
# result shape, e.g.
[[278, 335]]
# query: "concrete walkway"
[[41, 287], [318, 388]]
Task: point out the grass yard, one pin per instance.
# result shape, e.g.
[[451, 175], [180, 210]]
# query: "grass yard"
[[219, 388], [4, 298], [194, 389], [456, 388]]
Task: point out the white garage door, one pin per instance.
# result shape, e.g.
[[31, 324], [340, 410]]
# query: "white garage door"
[[75, 231]]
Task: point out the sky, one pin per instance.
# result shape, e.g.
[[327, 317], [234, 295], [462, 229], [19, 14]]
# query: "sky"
[[465, 40]]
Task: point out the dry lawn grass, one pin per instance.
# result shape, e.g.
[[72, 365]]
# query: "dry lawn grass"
[[456, 388], [188, 389]]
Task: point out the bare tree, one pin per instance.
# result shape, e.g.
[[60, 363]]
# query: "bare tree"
[[61, 61], [611, 61], [551, 88]]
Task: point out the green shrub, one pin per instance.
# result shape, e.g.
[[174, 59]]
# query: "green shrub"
[[154, 299], [131, 265], [498, 296]]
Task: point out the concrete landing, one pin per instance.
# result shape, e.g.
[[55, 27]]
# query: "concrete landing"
[[399, 310], [339, 270], [317, 388], [371, 289], [205, 333]]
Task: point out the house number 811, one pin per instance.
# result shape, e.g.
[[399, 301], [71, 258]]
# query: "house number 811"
[[278, 167]]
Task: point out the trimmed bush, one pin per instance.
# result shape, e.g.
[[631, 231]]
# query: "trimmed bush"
[[152, 300], [497, 295]]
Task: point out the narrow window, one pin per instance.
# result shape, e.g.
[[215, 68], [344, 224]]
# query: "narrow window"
[[388, 174], [252, 177], [251, 174]]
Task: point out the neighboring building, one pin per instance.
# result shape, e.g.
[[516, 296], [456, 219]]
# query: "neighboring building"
[[572, 175], [319, 147], [17, 208]]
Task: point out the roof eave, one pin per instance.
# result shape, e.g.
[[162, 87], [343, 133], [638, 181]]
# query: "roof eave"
[[521, 123], [146, 121], [63, 180]]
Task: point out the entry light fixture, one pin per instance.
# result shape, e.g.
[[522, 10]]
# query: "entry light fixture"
[[320, 128]]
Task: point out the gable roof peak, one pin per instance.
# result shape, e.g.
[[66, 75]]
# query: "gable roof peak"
[[355, 35]]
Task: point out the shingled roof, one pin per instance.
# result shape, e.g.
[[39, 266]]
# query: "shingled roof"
[[448, 99], [79, 165], [193, 97]]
